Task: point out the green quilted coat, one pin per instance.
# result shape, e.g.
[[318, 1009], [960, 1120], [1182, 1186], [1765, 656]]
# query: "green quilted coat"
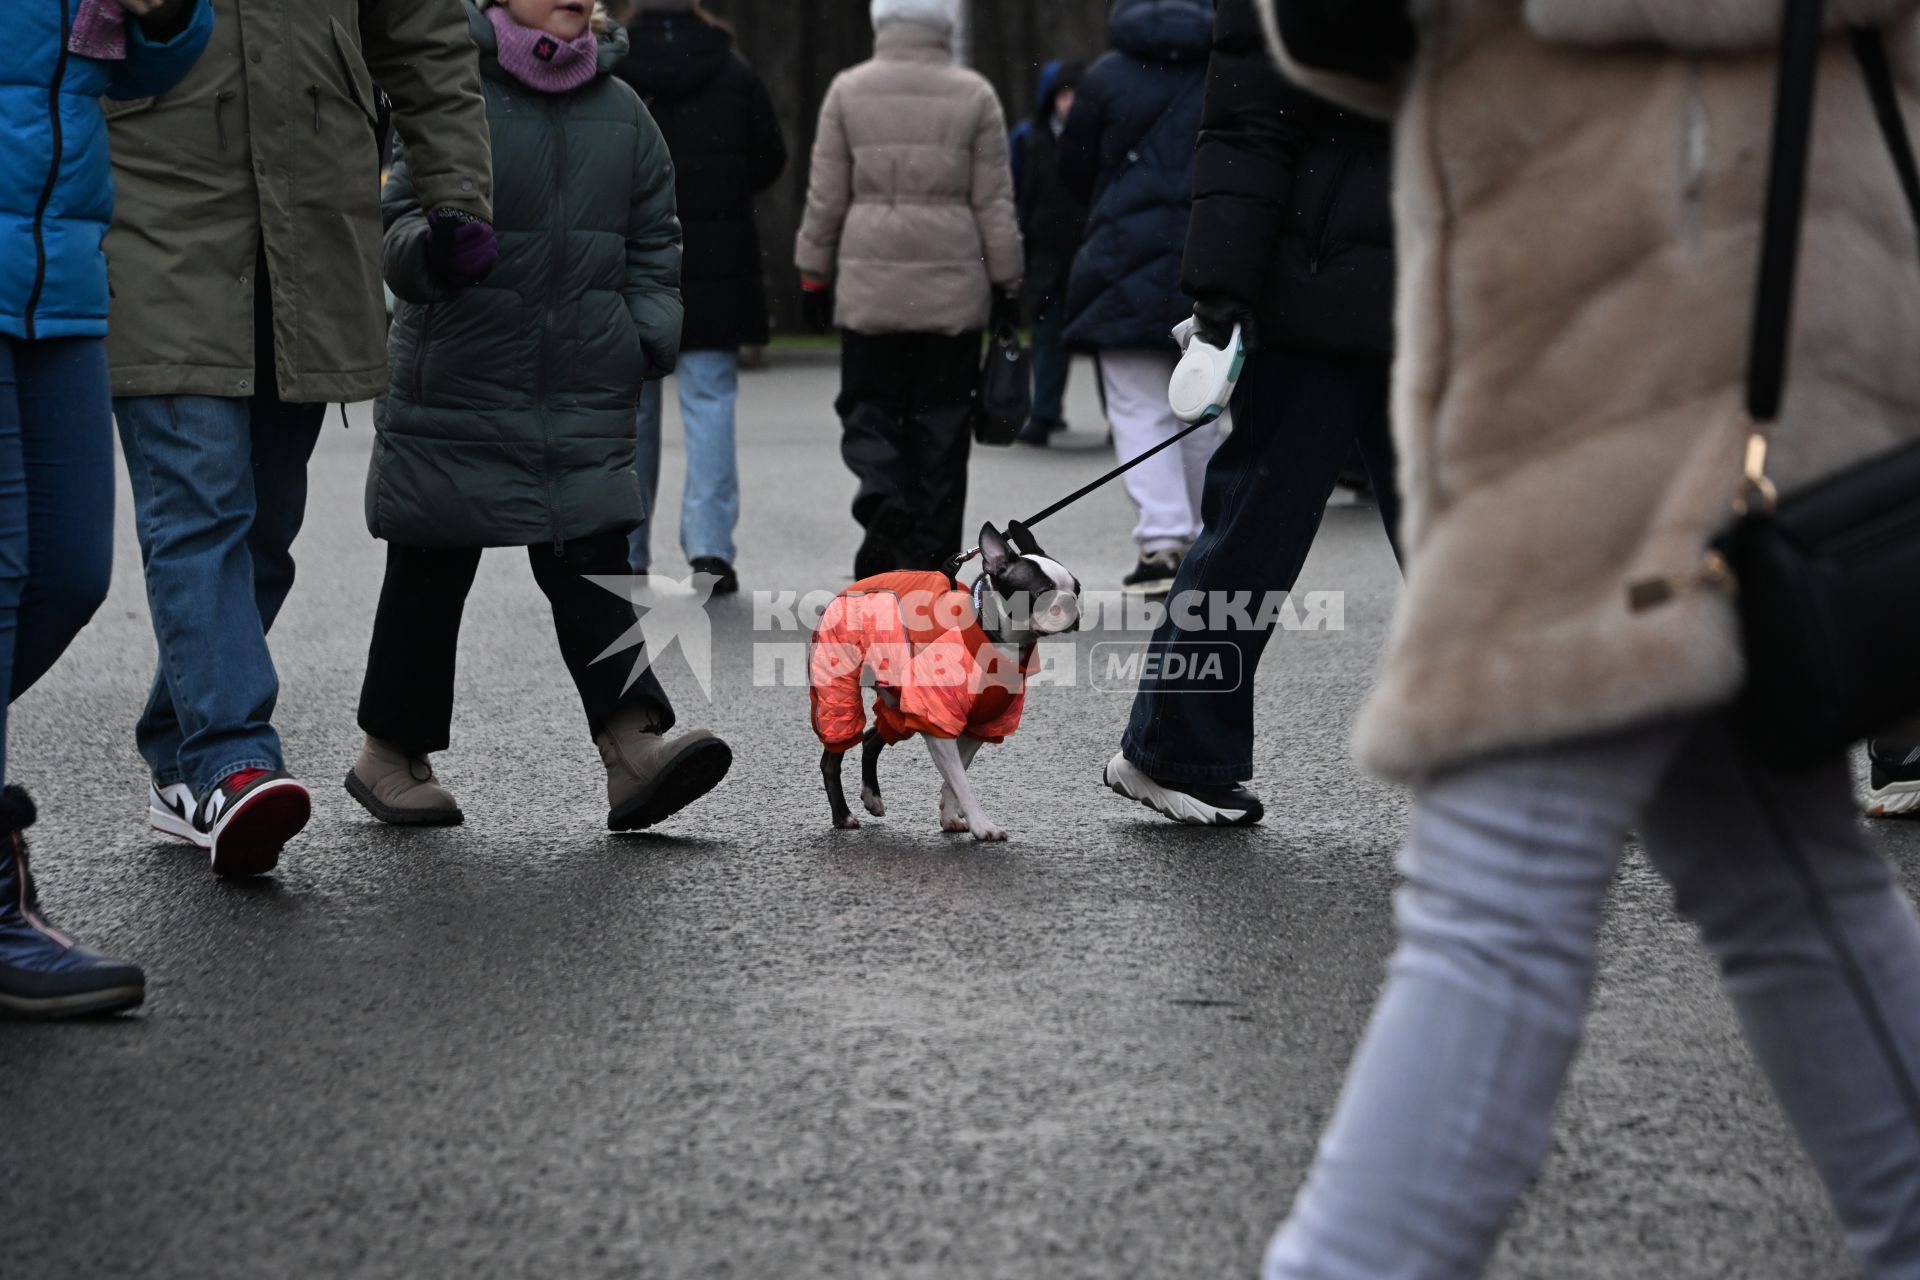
[[509, 416]]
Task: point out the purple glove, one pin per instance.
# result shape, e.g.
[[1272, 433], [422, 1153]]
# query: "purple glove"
[[461, 248]]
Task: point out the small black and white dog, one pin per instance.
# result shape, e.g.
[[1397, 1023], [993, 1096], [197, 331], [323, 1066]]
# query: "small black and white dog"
[[986, 643]]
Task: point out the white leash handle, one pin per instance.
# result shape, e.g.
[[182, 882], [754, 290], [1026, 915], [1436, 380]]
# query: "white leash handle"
[[1203, 383]]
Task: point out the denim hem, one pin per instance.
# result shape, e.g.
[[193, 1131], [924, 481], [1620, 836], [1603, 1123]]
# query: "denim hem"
[[171, 778], [228, 770], [1161, 769]]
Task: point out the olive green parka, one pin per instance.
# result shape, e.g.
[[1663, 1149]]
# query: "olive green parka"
[[509, 420], [271, 138]]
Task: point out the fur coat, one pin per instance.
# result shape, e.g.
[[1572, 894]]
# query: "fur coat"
[[1578, 196]]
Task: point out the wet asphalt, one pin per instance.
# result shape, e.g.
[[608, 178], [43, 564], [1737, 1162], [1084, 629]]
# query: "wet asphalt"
[[747, 1045]]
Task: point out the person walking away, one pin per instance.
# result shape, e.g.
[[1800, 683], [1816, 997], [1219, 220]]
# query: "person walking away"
[[1053, 221], [509, 418], [245, 263], [1128, 151], [57, 66], [910, 222], [1292, 240], [726, 145], [1570, 401]]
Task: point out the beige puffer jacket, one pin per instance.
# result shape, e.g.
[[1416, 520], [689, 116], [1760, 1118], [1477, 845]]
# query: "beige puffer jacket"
[[1578, 196], [910, 207]]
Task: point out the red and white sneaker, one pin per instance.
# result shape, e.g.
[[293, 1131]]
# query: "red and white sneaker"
[[248, 819]]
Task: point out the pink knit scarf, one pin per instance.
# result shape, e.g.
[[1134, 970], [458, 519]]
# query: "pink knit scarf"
[[541, 61], [99, 31]]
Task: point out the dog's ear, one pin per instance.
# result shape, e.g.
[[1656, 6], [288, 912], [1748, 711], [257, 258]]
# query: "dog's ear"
[[995, 552], [1023, 539]]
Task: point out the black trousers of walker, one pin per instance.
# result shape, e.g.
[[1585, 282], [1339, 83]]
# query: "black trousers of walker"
[[408, 695], [906, 413]]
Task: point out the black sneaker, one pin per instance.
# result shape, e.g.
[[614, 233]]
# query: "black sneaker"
[[1040, 431], [249, 818], [43, 972], [1153, 576], [726, 583], [1195, 805], [1894, 787]]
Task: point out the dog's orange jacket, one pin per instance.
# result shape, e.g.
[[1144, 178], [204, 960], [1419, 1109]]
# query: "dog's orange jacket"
[[918, 637]]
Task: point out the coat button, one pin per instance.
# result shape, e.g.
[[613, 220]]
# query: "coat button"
[[466, 184], [244, 384]]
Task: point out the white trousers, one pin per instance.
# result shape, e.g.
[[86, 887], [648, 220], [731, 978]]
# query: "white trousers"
[[1165, 489]]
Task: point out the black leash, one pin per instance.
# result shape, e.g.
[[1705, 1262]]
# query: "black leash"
[[953, 565]]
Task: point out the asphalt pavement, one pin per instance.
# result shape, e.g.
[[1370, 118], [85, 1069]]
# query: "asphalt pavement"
[[747, 1045]]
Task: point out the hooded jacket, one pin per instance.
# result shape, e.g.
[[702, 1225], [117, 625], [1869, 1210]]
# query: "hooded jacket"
[[56, 179], [1128, 151], [508, 419], [910, 201], [269, 145], [720, 127], [1290, 204], [1579, 189], [1053, 217]]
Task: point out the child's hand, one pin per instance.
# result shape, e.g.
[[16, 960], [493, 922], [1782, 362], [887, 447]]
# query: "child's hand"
[[461, 249]]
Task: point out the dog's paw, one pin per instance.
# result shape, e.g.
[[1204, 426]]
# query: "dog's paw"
[[848, 823], [987, 833], [871, 799], [955, 826]]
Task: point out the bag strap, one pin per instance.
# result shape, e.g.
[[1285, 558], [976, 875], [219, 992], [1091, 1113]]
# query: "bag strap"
[[1800, 48], [1870, 49], [1800, 44]]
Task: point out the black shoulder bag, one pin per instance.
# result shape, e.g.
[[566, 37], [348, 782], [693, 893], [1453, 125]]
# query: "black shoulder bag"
[[1829, 577], [1005, 397]]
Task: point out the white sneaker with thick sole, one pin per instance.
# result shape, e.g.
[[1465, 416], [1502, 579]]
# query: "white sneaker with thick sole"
[[1894, 800], [1223, 805], [170, 812]]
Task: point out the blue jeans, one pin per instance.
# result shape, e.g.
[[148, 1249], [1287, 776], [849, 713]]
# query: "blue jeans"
[[709, 383], [219, 493], [1051, 363], [1295, 418], [1448, 1108], [56, 502]]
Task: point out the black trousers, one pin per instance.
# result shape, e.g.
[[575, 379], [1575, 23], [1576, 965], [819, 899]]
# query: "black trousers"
[[408, 695], [1296, 417], [906, 413]]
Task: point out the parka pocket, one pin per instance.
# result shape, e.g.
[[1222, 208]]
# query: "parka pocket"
[[116, 110], [359, 83]]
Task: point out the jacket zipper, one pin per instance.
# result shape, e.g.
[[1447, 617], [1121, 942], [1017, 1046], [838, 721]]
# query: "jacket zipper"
[[555, 271], [53, 174], [1317, 247]]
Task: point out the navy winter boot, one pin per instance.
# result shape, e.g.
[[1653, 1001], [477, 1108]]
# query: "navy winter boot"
[[43, 974]]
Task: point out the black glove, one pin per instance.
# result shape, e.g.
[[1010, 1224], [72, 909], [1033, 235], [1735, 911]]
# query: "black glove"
[[1217, 316], [461, 249], [1006, 313], [816, 308]]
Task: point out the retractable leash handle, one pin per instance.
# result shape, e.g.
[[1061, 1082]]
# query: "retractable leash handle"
[[1203, 383]]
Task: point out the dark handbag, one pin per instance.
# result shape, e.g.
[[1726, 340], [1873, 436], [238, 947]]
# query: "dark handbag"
[[1829, 576], [1006, 386]]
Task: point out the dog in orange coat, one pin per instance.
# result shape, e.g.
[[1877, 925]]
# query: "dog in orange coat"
[[947, 663]]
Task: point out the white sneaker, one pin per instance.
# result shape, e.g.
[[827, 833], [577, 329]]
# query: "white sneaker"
[[1212, 805], [170, 812]]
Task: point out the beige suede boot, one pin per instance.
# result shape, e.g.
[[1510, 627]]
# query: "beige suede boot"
[[400, 789], [650, 778]]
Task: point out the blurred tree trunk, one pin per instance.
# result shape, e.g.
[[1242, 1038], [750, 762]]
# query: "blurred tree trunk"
[[798, 46]]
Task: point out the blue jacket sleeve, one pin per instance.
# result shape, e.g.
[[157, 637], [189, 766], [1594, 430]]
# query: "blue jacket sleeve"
[[153, 67]]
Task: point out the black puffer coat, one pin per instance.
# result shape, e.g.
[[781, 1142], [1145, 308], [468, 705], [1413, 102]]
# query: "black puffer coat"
[[508, 419], [726, 144], [1128, 150], [1291, 214]]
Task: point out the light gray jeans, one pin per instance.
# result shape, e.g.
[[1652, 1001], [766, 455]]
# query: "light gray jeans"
[[1448, 1106]]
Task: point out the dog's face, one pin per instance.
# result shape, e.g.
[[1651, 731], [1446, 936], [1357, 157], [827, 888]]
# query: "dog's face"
[[1039, 596]]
